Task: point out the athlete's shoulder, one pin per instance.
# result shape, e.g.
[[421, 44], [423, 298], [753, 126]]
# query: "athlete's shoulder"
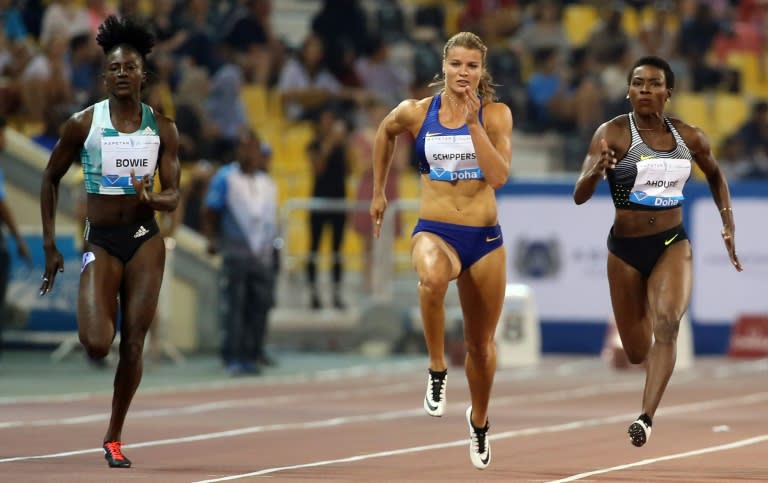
[[78, 124]]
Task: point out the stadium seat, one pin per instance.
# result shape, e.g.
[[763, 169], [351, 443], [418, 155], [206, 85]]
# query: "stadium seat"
[[579, 20], [730, 112], [256, 106]]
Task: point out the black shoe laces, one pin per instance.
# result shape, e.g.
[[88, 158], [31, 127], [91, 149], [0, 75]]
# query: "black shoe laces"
[[479, 437], [436, 380]]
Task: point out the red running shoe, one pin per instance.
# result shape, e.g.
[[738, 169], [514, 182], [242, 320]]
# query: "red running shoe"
[[114, 455]]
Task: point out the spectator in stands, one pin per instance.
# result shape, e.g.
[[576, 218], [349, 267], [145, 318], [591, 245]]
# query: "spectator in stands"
[[123, 256], [54, 117], [734, 161], [191, 119], [493, 20], [544, 30], [463, 141], [753, 134], [305, 83], [361, 147], [47, 77], [546, 91], [7, 220], [386, 80], [201, 42], [609, 37], [225, 109], [64, 17], [240, 222], [647, 158], [328, 155], [253, 37], [341, 24], [11, 21], [85, 66]]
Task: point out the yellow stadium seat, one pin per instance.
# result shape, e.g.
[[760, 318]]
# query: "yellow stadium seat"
[[695, 110], [255, 99], [730, 112], [753, 80], [579, 20]]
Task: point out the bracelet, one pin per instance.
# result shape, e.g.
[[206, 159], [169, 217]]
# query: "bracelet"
[[723, 210]]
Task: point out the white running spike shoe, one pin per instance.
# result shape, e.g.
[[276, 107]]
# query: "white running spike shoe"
[[639, 432], [479, 445], [434, 400]]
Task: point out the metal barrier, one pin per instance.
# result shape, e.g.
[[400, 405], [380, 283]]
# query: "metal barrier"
[[384, 256]]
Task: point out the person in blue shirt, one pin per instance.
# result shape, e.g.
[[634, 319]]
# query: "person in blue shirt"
[[240, 222]]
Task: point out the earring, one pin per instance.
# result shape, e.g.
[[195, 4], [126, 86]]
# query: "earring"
[[627, 96]]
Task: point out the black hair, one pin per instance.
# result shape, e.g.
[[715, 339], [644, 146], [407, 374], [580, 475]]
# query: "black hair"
[[116, 31], [657, 62]]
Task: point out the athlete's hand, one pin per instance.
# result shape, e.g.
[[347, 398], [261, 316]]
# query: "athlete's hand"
[[471, 105], [730, 245], [54, 263], [143, 186], [378, 207], [607, 159]]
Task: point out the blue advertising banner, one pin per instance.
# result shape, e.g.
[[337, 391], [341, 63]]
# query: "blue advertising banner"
[[57, 311]]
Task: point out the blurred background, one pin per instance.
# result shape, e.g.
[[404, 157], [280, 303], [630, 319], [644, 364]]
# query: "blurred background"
[[294, 70]]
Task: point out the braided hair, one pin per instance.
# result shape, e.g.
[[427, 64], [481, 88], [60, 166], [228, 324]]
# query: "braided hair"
[[118, 31]]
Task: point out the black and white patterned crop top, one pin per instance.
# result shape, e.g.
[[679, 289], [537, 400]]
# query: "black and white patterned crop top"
[[645, 179]]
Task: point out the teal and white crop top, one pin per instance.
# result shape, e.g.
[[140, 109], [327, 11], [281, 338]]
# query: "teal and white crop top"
[[109, 155], [645, 179]]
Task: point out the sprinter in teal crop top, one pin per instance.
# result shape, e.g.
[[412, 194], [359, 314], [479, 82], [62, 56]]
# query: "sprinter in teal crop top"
[[122, 143]]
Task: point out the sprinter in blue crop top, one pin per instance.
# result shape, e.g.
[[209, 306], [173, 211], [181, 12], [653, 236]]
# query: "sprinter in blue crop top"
[[464, 143], [646, 158], [121, 144]]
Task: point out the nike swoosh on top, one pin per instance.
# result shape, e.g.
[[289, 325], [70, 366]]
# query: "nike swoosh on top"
[[667, 242], [431, 407], [489, 239], [430, 134], [486, 458]]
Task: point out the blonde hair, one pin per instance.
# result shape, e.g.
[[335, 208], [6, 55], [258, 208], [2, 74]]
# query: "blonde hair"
[[468, 40]]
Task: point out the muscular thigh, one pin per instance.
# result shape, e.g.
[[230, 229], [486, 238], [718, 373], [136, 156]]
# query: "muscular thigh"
[[141, 284], [100, 278], [433, 257], [481, 291], [628, 292], [669, 286]]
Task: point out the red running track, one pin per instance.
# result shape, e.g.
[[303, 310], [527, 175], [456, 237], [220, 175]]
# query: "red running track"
[[564, 420]]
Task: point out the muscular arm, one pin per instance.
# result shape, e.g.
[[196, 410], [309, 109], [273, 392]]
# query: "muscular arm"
[[698, 143], [397, 122], [401, 119], [169, 169], [600, 157], [493, 144], [66, 150]]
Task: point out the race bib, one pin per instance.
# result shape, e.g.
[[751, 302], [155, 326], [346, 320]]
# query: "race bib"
[[660, 182], [451, 158], [121, 154]]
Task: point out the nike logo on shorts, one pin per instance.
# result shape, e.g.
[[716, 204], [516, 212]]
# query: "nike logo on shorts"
[[667, 242], [492, 239]]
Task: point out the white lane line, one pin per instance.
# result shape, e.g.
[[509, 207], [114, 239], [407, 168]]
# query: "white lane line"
[[697, 452], [212, 406], [334, 395], [266, 380], [687, 408]]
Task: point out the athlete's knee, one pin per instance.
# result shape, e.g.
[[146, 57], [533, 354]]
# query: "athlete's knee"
[[97, 347], [131, 350], [636, 355], [481, 350], [430, 284], [666, 328]]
